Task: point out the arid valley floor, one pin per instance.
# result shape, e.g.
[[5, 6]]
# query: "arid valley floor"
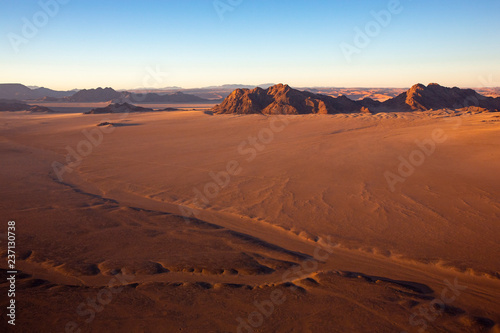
[[191, 222]]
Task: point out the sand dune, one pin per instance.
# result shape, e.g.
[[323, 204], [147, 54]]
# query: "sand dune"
[[305, 235]]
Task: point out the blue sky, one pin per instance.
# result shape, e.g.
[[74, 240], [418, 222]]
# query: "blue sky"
[[88, 43]]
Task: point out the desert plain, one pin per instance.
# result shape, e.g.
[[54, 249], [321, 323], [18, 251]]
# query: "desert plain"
[[187, 221]]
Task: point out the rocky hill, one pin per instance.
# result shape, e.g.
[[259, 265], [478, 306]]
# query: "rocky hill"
[[119, 108], [283, 99], [94, 95], [435, 97], [15, 105]]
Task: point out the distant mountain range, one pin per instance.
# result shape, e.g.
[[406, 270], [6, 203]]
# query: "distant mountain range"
[[21, 92], [239, 86], [237, 98], [177, 97], [92, 95], [113, 96], [283, 99]]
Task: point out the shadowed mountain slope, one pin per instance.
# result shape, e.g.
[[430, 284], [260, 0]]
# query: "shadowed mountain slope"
[[434, 97], [282, 99]]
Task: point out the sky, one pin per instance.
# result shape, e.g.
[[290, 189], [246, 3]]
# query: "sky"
[[68, 44]]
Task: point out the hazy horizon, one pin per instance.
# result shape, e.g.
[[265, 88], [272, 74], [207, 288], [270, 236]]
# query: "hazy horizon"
[[229, 85]]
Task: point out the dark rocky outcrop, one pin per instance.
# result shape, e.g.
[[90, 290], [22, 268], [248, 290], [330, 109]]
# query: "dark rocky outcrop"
[[15, 105], [119, 108], [38, 108]]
